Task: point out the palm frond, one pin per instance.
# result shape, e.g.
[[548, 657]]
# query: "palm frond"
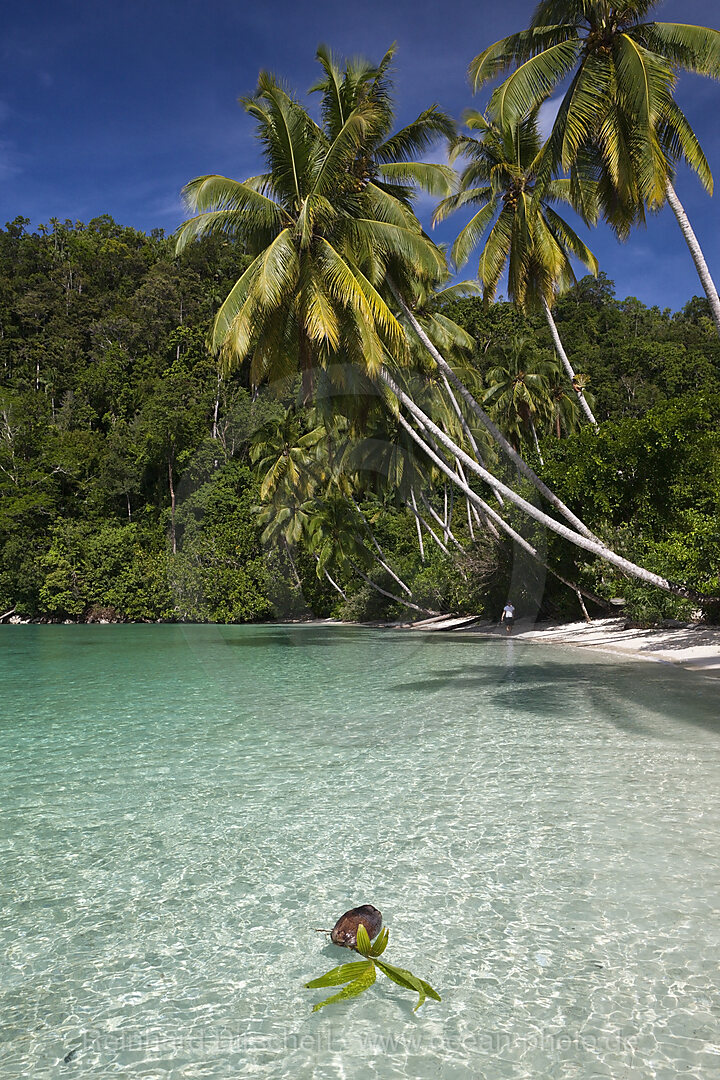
[[234, 304], [430, 177], [431, 125], [276, 272], [472, 233], [350, 288], [516, 49], [691, 48], [335, 162], [457, 202], [680, 142], [333, 105], [495, 254], [569, 239], [452, 334], [532, 82], [458, 291]]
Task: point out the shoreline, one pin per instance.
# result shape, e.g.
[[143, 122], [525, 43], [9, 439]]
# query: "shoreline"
[[690, 646]]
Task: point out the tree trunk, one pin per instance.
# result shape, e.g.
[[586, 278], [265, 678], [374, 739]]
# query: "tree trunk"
[[129, 509], [582, 605], [334, 584], [567, 365], [428, 528], [172, 506], [493, 514], [306, 370], [459, 470], [382, 559], [471, 506], [216, 409], [535, 440], [434, 514], [391, 596], [594, 546], [215, 415], [293, 567], [466, 428], [417, 523], [697, 255], [483, 417]]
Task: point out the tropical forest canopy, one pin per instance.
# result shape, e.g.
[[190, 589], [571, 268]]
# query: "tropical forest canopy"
[[296, 406]]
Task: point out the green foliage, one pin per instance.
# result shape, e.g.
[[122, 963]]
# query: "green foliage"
[[650, 486], [123, 568], [360, 976], [107, 385]]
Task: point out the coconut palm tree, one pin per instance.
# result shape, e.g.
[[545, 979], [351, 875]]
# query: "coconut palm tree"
[[564, 409], [387, 160], [523, 230], [319, 238], [518, 391], [336, 540], [286, 456], [618, 122]]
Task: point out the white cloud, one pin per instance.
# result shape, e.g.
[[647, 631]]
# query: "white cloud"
[[546, 116]]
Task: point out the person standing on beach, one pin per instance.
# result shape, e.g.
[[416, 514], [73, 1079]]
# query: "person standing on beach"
[[508, 618]]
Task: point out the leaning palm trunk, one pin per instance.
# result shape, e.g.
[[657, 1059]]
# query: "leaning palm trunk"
[[466, 427], [459, 469], [567, 365], [697, 255], [422, 523], [334, 583], [298, 582], [382, 559], [483, 417], [583, 542], [535, 440], [475, 499], [391, 596], [417, 524], [434, 514], [471, 507]]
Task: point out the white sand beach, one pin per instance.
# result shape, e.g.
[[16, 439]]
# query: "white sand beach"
[[691, 646]]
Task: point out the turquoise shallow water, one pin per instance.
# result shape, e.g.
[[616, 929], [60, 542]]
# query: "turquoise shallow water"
[[181, 806]]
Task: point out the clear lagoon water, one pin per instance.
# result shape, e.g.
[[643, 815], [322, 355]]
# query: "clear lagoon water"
[[182, 806]]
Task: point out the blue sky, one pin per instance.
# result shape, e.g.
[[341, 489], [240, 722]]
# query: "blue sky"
[[109, 107]]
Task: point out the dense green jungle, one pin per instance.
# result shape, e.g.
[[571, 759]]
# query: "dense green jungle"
[[136, 483]]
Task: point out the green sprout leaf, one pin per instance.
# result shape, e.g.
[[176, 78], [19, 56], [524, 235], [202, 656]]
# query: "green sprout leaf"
[[380, 943], [405, 978], [363, 941], [339, 975], [357, 986]]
